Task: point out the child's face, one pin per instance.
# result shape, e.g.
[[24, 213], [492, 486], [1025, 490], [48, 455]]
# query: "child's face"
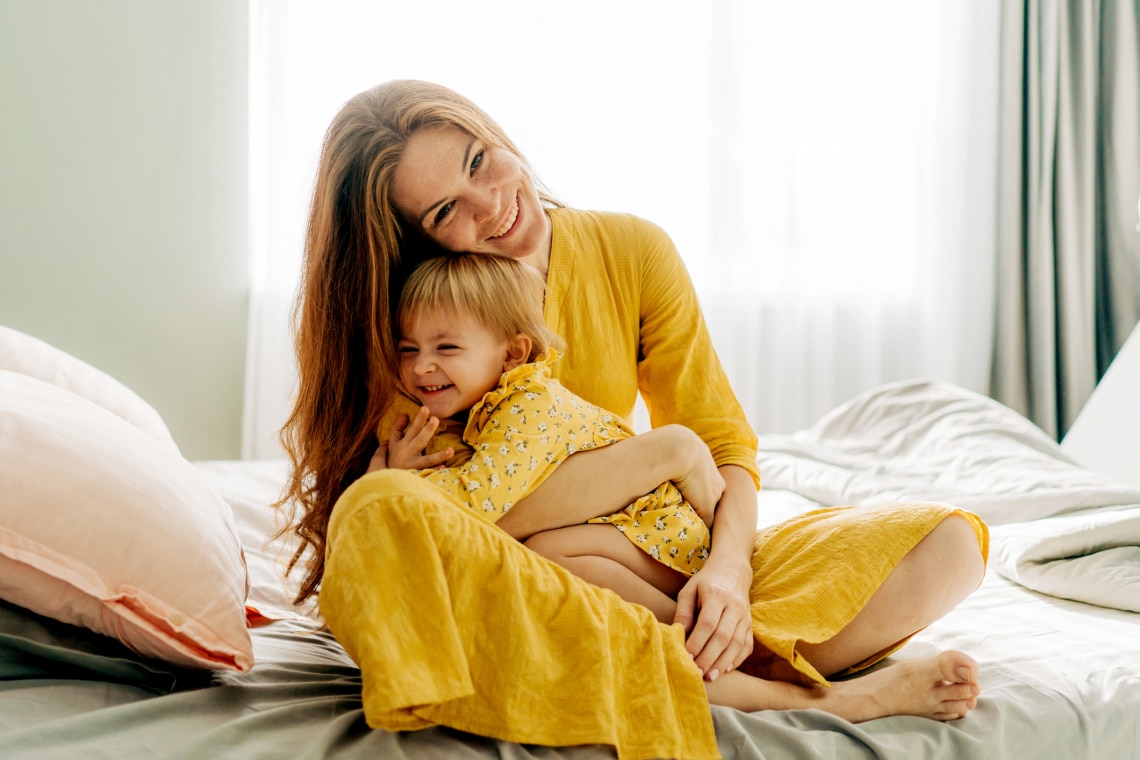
[[449, 361]]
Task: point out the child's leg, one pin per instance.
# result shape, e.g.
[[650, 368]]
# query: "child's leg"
[[600, 554]]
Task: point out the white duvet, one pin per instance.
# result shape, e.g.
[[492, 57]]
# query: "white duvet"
[[1058, 528]]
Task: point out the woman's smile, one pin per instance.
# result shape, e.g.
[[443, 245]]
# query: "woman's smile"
[[512, 217]]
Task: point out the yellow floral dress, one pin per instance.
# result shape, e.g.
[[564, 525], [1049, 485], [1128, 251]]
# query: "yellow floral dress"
[[523, 429]]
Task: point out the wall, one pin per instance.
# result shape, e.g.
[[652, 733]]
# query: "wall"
[[123, 203]]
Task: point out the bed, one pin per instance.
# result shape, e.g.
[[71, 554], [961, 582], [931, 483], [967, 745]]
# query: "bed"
[[1054, 625]]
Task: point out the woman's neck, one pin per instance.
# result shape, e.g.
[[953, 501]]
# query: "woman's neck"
[[540, 259]]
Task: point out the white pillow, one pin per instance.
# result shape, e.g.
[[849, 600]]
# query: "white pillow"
[[102, 525], [22, 353]]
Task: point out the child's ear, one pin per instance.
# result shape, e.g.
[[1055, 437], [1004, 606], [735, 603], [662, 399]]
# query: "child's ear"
[[518, 352]]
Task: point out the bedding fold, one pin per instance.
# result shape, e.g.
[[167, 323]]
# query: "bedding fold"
[[1091, 557], [923, 440]]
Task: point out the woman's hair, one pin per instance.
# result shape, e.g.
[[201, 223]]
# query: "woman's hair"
[[503, 295], [357, 253]]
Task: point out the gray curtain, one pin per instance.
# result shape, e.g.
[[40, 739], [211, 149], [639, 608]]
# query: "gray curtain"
[[1068, 280]]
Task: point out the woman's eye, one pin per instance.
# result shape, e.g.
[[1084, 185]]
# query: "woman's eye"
[[477, 161], [443, 211]]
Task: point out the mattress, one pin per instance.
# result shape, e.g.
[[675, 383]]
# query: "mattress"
[[1053, 625]]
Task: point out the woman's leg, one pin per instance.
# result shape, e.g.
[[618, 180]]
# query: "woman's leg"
[[600, 554], [937, 574], [932, 579], [446, 615], [943, 687]]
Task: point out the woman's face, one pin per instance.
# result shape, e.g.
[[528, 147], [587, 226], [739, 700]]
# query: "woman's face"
[[469, 196]]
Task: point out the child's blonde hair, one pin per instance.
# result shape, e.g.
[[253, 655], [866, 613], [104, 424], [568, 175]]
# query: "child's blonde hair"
[[502, 294]]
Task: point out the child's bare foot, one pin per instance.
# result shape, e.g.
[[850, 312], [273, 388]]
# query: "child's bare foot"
[[943, 687]]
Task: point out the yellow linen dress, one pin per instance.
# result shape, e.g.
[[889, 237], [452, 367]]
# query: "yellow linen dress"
[[431, 607]]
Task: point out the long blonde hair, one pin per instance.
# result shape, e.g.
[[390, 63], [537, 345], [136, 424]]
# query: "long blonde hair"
[[503, 295], [358, 251]]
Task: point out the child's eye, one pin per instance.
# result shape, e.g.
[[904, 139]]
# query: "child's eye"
[[448, 347], [407, 350]]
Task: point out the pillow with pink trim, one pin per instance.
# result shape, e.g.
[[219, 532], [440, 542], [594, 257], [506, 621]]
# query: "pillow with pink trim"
[[22, 353], [106, 526]]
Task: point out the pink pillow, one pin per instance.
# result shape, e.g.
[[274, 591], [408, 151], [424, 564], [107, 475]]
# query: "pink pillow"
[[103, 525], [31, 356]]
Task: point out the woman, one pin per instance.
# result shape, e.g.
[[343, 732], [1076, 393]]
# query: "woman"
[[410, 170]]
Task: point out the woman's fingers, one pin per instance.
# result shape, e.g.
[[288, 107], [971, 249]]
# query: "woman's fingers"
[[737, 651], [721, 636], [686, 612]]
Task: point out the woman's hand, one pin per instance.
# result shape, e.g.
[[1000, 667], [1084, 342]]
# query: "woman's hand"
[[404, 449], [714, 606]]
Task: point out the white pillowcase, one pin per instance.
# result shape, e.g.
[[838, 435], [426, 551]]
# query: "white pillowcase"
[[106, 526], [22, 353]]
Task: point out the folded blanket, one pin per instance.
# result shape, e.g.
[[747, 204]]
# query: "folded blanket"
[[1091, 556]]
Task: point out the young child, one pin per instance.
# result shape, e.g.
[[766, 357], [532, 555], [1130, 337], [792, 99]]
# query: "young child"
[[473, 347]]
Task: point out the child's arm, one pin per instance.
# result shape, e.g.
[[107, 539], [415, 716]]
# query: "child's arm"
[[601, 481], [506, 461]]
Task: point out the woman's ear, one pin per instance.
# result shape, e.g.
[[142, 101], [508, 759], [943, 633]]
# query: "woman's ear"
[[518, 352]]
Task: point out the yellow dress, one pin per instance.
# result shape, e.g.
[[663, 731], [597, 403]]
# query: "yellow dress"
[[433, 608], [454, 623], [520, 431]]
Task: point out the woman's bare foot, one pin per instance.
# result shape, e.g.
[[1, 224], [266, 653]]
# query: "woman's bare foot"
[[943, 687]]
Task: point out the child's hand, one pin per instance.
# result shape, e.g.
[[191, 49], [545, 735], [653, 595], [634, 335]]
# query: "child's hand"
[[407, 442], [701, 483], [705, 511]]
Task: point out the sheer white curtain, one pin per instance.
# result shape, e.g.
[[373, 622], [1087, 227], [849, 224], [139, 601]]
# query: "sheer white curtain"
[[826, 168]]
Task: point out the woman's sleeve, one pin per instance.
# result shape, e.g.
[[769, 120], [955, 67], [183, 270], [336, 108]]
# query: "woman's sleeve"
[[679, 374]]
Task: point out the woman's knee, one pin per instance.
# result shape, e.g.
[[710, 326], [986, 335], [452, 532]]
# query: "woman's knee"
[[952, 549], [399, 492]]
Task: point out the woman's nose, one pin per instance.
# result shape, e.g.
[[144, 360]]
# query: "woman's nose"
[[487, 207]]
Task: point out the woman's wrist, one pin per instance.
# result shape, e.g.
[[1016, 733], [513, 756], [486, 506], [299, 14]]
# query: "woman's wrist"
[[734, 532]]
